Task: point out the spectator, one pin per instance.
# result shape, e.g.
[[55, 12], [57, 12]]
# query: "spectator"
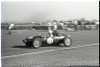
[[97, 25]]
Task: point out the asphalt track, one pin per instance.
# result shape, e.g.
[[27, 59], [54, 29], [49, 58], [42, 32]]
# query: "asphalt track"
[[84, 49]]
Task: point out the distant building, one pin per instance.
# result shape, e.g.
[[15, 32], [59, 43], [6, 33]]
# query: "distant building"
[[75, 22]]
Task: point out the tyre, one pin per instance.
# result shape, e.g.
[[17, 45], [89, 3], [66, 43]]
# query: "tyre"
[[67, 41], [37, 43]]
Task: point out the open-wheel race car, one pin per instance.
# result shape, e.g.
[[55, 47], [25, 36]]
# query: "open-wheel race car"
[[37, 41]]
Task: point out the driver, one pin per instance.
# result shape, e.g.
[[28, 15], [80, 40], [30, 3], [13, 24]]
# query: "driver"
[[52, 32]]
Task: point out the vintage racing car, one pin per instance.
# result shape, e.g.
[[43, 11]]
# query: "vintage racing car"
[[37, 41]]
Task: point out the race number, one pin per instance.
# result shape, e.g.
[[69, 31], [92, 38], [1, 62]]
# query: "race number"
[[50, 40]]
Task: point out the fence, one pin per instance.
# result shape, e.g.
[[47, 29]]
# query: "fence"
[[81, 27], [65, 27]]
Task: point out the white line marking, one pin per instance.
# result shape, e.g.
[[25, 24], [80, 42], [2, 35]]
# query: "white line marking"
[[79, 46], [45, 51]]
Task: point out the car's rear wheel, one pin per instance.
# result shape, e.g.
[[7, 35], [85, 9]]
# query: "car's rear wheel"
[[67, 42], [37, 43]]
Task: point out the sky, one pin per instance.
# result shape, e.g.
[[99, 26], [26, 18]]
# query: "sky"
[[39, 11]]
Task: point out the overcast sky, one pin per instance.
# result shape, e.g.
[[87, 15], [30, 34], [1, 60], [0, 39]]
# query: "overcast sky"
[[49, 10]]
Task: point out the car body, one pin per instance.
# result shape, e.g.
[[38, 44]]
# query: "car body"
[[37, 41]]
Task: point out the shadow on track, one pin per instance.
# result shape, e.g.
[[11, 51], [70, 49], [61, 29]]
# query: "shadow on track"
[[31, 47], [24, 47]]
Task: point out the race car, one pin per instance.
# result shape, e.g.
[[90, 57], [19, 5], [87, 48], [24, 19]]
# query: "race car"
[[37, 41]]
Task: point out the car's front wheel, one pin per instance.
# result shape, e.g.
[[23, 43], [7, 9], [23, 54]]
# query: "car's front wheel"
[[37, 43], [67, 42]]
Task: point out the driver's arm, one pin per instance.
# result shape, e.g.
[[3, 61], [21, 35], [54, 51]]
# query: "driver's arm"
[[50, 30], [51, 33]]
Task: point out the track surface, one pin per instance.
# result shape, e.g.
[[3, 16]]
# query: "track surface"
[[84, 49]]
